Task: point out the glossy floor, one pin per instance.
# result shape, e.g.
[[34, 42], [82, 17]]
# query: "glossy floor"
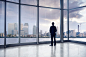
[[44, 50]]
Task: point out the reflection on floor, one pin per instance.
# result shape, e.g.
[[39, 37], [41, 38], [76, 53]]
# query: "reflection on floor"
[[44, 50]]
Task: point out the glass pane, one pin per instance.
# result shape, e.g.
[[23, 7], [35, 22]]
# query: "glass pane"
[[76, 3], [46, 17], [65, 25], [12, 23], [65, 4], [50, 3], [32, 2], [1, 23], [14, 1], [28, 24], [77, 24]]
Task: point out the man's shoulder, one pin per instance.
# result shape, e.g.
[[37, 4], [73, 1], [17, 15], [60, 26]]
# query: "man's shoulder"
[[54, 26], [50, 26]]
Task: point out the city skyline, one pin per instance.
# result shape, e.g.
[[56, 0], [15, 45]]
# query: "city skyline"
[[13, 30]]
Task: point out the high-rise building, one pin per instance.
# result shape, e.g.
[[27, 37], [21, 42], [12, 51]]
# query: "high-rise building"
[[34, 30], [21, 26], [72, 33], [10, 28], [14, 32], [25, 28], [1, 34], [40, 32], [22, 32], [81, 35], [26, 24], [15, 26], [84, 34]]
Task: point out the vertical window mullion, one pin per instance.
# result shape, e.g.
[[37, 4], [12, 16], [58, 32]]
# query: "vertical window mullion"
[[37, 21], [19, 19], [68, 18], [5, 24], [61, 21]]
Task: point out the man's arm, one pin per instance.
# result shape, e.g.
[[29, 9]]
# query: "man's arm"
[[55, 29]]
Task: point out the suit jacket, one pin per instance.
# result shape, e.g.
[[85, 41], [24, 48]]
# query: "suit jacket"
[[53, 30]]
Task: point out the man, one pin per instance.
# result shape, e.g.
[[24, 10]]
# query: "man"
[[53, 33]]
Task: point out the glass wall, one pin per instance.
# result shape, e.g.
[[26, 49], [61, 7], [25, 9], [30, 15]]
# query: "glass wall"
[[1, 23], [12, 23], [48, 13], [28, 24], [77, 24], [46, 17], [65, 25]]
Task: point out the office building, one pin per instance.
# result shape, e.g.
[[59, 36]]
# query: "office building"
[[34, 30], [25, 28], [21, 26], [10, 28], [22, 32], [26, 24]]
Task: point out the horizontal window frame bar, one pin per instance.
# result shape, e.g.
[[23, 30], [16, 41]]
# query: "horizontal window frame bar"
[[32, 5], [77, 7]]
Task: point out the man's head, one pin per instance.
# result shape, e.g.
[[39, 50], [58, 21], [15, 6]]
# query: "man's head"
[[52, 23]]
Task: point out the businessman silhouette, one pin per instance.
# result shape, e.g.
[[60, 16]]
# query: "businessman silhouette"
[[53, 33]]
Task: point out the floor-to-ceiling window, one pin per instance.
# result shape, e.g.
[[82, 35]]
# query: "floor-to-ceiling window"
[[47, 16], [28, 24], [77, 21], [1, 23], [48, 12], [12, 23], [65, 21], [28, 21]]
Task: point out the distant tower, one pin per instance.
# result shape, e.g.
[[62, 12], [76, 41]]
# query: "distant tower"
[[34, 30], [25, 28], [78, 28]]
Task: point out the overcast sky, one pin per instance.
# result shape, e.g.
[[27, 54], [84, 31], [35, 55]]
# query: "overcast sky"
[[46, 16]]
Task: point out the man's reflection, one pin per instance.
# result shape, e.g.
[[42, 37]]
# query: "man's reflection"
[[53, 52], [61, 50]]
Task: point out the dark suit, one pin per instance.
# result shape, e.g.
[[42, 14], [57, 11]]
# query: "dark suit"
[[53, 33]]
